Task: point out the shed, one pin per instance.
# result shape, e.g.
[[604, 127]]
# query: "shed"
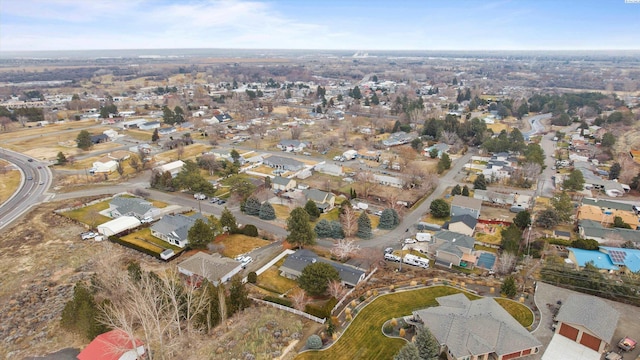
[[116, 226]]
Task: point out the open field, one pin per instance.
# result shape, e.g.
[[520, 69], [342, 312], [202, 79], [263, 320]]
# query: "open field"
[[18, 132], [9, 182], [190, 152], [237, 244], [138, 134]]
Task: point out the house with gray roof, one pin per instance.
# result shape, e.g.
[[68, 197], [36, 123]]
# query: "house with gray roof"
[[291, 145], [296, 262], [174, 229], [215, 268], [398, 138], [478, 329], [131, 206], [283, 163], [463, 224], [324, 200], [466, 205], [589, 229], [451, 248], [280, 183], [587, 320]]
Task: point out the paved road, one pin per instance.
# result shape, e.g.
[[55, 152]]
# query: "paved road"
[[536, 125], [32, 189]]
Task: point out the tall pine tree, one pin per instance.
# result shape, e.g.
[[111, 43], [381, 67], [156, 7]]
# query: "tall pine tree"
[[364, 226]]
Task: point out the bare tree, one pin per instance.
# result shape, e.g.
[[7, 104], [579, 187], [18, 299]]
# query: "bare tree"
[[336, 289], [343, 249], [506, 262], [299, 299], [210, 163], [135, 163], [531, 171], [367, 182], [449, 137], [5, 123], [180, 150], [371, 256], [296, 131], [349, 220]]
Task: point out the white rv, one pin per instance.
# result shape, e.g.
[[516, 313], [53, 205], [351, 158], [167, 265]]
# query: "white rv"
[[416, 260]]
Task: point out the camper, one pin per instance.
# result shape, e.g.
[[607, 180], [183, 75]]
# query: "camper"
[[392, 257], [423, 236], [416, 260]]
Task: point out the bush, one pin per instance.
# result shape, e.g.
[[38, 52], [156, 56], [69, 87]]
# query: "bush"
[[321, 312], [250, 230], [278, 300], [387, 329], [252, 277], [314, 342]]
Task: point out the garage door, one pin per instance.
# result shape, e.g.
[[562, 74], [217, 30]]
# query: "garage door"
[[568, 331], [511, 356], [590, 341]]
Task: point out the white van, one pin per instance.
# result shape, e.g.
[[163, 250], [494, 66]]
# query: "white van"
[[416, 261]]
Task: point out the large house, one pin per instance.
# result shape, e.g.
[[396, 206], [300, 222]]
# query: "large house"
[[452, 248], [140, 208], [173, 167], [215, 268], [607, 259], [462, 224], [291, 145], [296, 262], [283, 163], [604, 212], [280, 183], [593, 329], [113, 345], [589, 229], [479, 329], [466, 205], [324, 200], [174, 229]]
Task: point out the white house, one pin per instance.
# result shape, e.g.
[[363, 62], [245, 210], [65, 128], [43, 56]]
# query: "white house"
[[104, 167], [173, 167]]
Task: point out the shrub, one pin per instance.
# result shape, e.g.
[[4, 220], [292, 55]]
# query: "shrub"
[[314, 342], [250, 230], [278, 300], [321, 311], [394, 322], [252, 277], [387, 328]]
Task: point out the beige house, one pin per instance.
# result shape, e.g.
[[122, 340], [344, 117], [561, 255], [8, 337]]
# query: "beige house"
[[280, 183], [462, 224]]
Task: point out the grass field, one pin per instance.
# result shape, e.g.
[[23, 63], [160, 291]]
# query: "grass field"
[[272, 280], [9, 182], [190, 152], [237, 244], [90, 214], [364, 339], [519, 312], [144, 239], [282, 211]]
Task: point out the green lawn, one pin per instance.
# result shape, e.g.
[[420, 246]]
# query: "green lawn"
[[364, 339], [272, 280], [519, 312], [90, 214]]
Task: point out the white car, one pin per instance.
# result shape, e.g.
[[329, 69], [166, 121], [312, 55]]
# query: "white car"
[[410, 241], [392, 257], [244, 260], [199, 196], [88, 235], [147, 219]]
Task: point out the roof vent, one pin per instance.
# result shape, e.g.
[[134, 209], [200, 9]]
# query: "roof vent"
[[313, 261], [454, 240]]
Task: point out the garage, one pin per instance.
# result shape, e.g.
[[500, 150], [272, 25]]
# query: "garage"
[[569, 332], [590, 341], [116, 226]]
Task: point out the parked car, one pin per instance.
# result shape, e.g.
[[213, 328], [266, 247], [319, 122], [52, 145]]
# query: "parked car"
[[30, 160], [199, 196], [222, 202], [88, 235], [627, 344], [392, 257], [388, 250], [410, 241], [214, 200]]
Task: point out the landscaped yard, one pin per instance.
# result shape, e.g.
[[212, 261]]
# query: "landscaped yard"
[[519, 312], [237, 244], [364, 339], [272, 280], [90, 214], [144, 238]]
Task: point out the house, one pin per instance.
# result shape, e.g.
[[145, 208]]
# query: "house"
[[283, 163], [494, 197], [112, 134], [398, 138], [140, 208], [226, 155], [280, 183], [173, 168], [150, 125], [329, 169], [627, 260], [104, 167], [166, 130], [174, 229], [291, 145], [100, 138], [592, 329], [387, 180], [324, 200], [119, 155], [589, 229], [453, 249], [605, 211], [462, 224], [372, 155], [441, 148], [118, 225], [216, 268], [296, 262], [460, 327], [580, 258], [466, 205], [113, 345], [607, 259]]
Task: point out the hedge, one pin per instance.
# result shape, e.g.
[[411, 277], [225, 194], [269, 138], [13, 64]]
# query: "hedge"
[[118, 240], [278, 300], [322, 312]]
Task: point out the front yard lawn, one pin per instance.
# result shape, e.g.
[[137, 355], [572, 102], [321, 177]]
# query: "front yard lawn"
[[237, 244], [90, 215], [519, 312]]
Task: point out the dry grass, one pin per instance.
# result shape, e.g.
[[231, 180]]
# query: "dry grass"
[[497, 127], [190, 152], [282, 211], [18, 132], [237, 244], [9, 182], [90, 214], [138, 134], [272, 280], [143, 238], [494, 239]]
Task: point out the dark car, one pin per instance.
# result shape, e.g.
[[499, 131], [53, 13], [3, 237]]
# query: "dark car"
[[30, 160], [221, 202], [29, 177]]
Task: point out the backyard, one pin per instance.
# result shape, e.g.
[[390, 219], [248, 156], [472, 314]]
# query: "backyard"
[[89, 215], [236, 244]]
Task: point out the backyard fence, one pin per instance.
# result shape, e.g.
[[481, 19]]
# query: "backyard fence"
[[352, 289], [291, 310]]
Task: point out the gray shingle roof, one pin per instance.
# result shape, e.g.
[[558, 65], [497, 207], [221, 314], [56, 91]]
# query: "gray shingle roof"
[[467, 219], [316, 195], [296, 262], [593, 229], [177, 226], [607, 204], [592, 313], [213, 267], [466, 202], [458, 239], [463, 326], [135, 206], [275, 160], [279, 180]]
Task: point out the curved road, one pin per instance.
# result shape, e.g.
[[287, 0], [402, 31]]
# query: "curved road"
[[36, 179]]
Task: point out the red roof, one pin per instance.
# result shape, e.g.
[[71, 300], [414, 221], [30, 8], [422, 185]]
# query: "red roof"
[[108, 346]]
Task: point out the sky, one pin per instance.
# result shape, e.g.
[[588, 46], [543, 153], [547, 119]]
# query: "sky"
[[314, 24]]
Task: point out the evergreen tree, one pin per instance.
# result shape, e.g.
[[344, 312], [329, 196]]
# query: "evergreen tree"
[[300, 231], [428, 346], [312, 209], [387, 220], [336, 230], [252, 206], [511, 236], [465, 190], [548, 218], [408, 352], [614, 171], [457, 190], [364, 226], [619, 223], [575, 181], [168, 116], [80, 314], [155, 136], [356, 94], [267, 212], [396, 217], [200, 235], [315, 277], [444, 163], [563, 206], [323, 229], [84, 140], [522, 219], [228, 221], [61, 158], [480, 183], [238, 295], [439, 208], [209, 318], [508, 288]]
